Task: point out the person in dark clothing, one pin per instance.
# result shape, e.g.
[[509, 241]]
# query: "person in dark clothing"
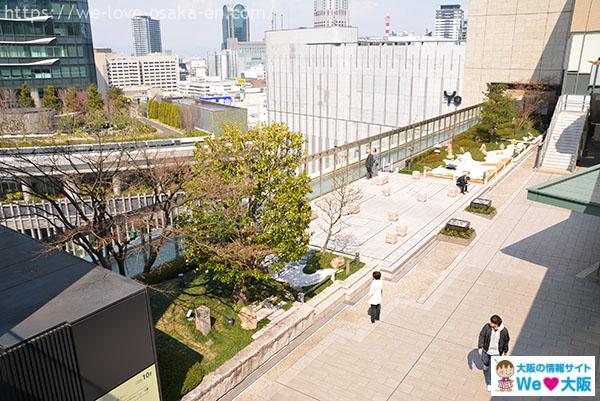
[[493, 341], [463, 183], [370, 164]]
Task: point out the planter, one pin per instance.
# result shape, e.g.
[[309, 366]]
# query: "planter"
[[485, 216], [456, 240]]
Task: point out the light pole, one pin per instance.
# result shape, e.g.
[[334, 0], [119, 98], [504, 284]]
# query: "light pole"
[[593, 86]]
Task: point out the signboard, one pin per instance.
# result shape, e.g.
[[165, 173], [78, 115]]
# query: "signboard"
[[141, 387], [543, 376], [227, 100]]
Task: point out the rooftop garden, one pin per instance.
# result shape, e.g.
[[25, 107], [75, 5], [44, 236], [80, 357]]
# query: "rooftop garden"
[[502, 124]]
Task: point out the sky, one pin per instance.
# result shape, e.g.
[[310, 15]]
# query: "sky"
[[192, 28]]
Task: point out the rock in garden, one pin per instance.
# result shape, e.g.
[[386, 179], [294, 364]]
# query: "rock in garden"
[[338, 262], [248, 318], [203, 324]]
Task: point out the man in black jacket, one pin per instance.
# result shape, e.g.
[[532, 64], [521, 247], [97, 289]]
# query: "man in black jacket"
[[370, 164], [493, 341]]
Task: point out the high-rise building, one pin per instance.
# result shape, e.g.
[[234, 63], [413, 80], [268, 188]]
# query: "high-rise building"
[[45, 46], [336, 88], [236, 24], [465, 30], [238, 58], [146, 35], [331, 13], [449, 20]]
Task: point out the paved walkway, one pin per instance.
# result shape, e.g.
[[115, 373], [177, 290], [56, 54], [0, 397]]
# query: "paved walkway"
[[522, 266], [366, 231]]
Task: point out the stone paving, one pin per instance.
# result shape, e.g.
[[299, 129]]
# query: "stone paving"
[[523, 266], [366, 231]]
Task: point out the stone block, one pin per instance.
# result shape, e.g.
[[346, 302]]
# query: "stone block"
[[354, 208], [383, 180], [202, 316], [386, 191], [391, 238], [416, 175], [401, 230], [422, 197], [452, 192], [393, 215], [248, 318]]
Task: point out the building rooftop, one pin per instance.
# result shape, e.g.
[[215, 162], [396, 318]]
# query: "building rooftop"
[[42, 289], [579, 192]]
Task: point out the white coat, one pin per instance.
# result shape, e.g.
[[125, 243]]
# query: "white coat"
[[376, 292]]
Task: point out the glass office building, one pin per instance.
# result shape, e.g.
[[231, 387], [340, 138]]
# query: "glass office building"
[[46, 42], [236, 24]]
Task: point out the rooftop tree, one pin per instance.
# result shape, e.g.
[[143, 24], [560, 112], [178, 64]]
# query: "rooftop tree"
[[497, 109], [50, 99], [94, 99], [248, 202], [25, 99]]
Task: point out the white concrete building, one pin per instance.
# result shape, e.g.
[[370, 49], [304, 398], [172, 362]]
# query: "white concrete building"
[[330, 13], [255, 101], [336, 89], [158, 71], [209, 87], [449, 22]]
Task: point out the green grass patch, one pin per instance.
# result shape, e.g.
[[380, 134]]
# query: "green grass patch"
[[319, 261], [469, 141], [487, 211], [82, 139], [184, 354], [466, 234]]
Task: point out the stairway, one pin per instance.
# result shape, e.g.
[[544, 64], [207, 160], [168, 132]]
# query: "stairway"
[[564, 136]]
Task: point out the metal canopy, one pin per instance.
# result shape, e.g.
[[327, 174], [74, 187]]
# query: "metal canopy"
[[579, 192]]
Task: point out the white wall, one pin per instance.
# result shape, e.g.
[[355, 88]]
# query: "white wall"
[[336, 94]]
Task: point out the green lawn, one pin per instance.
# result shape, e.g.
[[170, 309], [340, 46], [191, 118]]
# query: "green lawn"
[[184, 354], [318, 261], [81, 139]]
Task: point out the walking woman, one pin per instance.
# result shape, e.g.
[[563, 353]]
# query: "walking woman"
[[375, 297]]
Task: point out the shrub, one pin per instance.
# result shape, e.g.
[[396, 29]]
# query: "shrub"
[[485, 211], [167, 271], [193, 378], [467, 234], [14, 197]]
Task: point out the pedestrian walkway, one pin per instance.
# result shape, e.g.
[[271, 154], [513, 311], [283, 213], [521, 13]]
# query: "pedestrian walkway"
[[366, 231], [523, 266]]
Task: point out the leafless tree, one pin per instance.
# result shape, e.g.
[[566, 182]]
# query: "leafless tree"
[[534, 98], [166, 182], [78, 199], [342, 201], [8, 99]]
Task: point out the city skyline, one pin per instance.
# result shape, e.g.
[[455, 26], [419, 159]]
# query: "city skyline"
[[111, 20]]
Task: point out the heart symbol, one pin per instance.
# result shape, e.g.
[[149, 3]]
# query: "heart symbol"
[[551, 382]]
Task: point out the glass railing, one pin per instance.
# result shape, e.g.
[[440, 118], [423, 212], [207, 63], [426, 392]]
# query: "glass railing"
[[394, 147]]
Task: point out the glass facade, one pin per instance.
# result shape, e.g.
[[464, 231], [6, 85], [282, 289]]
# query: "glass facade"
[[236, 24], [46, 42]]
